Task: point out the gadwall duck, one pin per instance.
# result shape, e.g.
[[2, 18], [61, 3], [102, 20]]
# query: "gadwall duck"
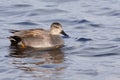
[[39, 38]]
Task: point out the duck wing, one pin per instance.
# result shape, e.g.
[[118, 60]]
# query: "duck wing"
[[30, 32], [28, 35]]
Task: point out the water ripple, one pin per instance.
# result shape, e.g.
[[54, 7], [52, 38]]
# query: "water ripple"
[[81, 21], [114, 13], [69, 21], [105, 55], [88, 72], [25, 23], [84, 39], [12, 13], [59, 1], [85, 21], [116, 39], [22, 5], [45, 12], [95, 25], [101, 48]]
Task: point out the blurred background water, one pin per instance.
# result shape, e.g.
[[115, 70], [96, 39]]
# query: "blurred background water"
[[91, 53]]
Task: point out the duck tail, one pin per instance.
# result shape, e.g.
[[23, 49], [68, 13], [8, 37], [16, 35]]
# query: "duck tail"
[[14, 40]]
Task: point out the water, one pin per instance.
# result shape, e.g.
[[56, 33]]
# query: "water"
[[91, 53]]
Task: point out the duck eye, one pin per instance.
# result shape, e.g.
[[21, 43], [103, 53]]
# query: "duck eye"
[[56, 26]]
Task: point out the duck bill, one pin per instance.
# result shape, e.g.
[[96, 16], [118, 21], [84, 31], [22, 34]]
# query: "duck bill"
[[64, 33]]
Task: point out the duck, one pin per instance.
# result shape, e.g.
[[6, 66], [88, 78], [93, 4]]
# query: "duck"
[[39, 38]]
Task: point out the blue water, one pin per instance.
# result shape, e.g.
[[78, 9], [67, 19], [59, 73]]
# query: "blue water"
[[91, 53]]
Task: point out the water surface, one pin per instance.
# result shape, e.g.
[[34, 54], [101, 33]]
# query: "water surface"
[[91, 53]]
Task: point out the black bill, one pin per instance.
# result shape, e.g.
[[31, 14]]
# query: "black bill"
[[62, 32]]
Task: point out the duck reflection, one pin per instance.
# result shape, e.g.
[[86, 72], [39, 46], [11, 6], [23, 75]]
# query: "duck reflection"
[[50, 56], [36, 60]]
